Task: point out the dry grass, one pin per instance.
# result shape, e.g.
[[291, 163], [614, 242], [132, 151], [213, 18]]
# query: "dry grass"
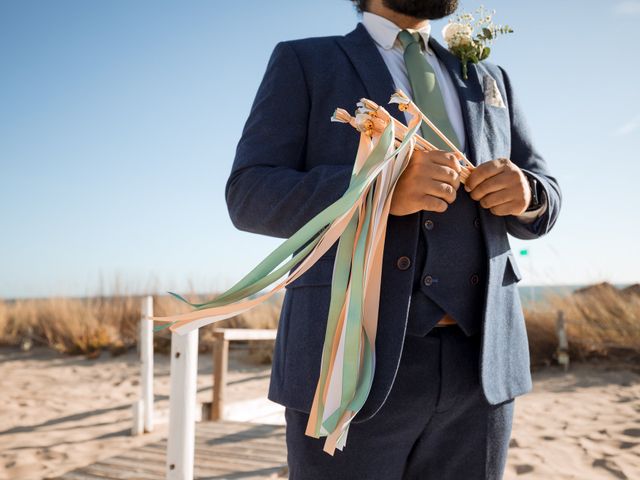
[[91, 325], [602, 322]]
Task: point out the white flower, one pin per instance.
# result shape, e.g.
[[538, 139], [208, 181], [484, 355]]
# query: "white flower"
[[461, 41], [456, 34]]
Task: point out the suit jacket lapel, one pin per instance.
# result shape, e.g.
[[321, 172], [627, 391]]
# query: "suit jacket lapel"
[[377, 80], [471, 96], [362, 50]]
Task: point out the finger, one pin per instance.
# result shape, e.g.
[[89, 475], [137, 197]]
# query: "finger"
[[440, 190], [446, 159], [433, 204], [444, 174], [504, 209], [456, 183], [496, 198], [490, 185], [464, 163], [484, 171]]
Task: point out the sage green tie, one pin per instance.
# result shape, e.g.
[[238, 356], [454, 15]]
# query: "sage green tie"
[[426, 92]]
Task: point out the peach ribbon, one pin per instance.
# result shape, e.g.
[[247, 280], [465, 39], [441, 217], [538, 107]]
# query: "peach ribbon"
[[358, 220]]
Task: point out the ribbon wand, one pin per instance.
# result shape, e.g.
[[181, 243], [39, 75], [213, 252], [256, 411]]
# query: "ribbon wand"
[[358, 222]]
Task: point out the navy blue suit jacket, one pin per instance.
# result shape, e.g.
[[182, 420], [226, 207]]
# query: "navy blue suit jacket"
[[292, 161]]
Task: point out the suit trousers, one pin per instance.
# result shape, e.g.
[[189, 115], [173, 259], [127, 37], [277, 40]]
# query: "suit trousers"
[[435, 424]]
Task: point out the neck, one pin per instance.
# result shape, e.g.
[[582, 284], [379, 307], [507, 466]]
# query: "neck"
[[401, 20]]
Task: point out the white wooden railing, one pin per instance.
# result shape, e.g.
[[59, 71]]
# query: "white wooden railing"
[[184, 411]]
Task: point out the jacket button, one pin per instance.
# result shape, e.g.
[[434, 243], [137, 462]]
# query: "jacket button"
[[428, 224], [403, 262], [476, 222], [427, 280], [474, 279]]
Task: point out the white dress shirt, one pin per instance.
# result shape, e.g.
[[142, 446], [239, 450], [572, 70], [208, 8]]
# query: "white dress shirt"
[[385, 34]]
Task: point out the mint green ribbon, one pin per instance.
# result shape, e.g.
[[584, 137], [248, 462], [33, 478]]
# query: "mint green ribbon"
[[263, 274], [356, 379]]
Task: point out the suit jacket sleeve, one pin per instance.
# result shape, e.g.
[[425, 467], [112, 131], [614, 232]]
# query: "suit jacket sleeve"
[[531, 162], [269, 191]]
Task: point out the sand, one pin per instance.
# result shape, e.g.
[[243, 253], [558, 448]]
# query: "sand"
[[59, 413], [584, 424]]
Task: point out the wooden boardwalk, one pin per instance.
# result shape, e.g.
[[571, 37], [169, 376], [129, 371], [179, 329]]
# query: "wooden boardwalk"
[[224, 450]]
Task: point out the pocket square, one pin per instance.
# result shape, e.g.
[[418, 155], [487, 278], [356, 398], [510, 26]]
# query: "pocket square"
[[492, 95]]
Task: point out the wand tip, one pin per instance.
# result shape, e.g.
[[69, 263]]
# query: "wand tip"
[[341, 115]]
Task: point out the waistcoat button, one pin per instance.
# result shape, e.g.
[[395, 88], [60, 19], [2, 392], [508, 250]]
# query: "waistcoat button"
[[428, 280], [428, 224], [476, 222], [403, 262], [474, 279]]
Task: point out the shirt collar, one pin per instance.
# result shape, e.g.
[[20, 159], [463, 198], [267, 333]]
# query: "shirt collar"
[[384, 32]]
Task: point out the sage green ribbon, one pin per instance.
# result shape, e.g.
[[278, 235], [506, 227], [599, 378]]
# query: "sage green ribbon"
[[348, 279], [264, 274]]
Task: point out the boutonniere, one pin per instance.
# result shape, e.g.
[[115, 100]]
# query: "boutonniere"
[[467, 46]]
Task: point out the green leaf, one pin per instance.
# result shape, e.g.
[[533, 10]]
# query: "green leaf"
[[485, 53], [457, 51], [487, 33]]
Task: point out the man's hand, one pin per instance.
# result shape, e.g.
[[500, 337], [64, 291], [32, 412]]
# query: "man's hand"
[[501, 186], [429, 182]]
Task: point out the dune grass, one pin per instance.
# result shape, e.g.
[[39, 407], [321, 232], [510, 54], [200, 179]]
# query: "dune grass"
[[602, 321], [91, 325]]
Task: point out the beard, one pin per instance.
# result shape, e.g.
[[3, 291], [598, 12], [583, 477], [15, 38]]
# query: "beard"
[[429, 9]]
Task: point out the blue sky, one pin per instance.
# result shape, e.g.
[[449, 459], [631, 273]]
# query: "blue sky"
[[113, 155]]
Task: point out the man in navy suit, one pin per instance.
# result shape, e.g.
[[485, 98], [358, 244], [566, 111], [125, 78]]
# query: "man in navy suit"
[[451, 346]]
